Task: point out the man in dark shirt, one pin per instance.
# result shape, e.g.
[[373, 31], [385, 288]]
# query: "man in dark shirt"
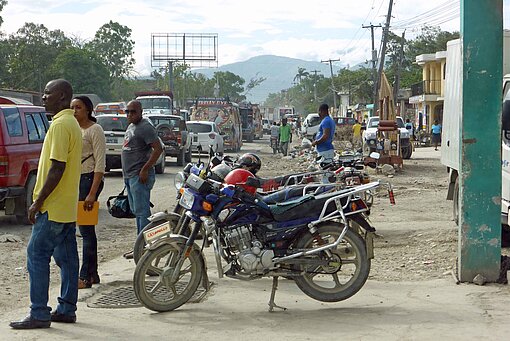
[[140, 151]]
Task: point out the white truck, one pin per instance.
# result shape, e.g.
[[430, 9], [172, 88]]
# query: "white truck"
[[450, 153], [370, 137], [156, 102]]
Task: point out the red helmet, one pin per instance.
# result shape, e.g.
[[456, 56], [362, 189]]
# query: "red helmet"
[[238, 177]]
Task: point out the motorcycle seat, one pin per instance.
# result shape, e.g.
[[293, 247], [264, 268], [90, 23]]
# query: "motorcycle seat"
[[307, 206], [292, 193]]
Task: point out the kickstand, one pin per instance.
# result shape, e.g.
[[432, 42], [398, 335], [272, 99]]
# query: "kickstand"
[[271, 303]]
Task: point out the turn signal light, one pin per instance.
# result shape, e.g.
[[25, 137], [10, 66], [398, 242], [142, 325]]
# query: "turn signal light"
[[181, 190], [207, 206]]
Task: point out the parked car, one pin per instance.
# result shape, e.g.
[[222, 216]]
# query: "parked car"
[[344, 121], [266, 126], [310, 125], [370, 137], [205, 134], [173, 132], [22, 132], [114, 127]]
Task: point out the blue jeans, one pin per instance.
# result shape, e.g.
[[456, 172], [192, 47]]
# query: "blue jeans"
[[139, 196], [58, 239], [88, 269]]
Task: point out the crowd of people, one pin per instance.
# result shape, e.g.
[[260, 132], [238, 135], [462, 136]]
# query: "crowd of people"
[[70, 171]]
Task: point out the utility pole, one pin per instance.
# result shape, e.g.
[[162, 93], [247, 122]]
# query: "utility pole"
[[396, 87], [315, 84], [386, 30], [330, 61], [374, 59]]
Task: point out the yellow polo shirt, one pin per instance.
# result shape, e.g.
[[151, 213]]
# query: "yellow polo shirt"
[[63, 143]]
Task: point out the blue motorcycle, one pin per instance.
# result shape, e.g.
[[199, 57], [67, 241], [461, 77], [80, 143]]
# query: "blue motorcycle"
[[323, 241]]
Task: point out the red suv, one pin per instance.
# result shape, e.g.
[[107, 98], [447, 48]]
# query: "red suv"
[[22, 132]]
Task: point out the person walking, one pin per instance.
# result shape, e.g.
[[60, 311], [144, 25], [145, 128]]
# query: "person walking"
[[436, 134], [356, 132], [91, 183], [275, 133], [285, 137], [140, 151], [53, 213], [324, 139]]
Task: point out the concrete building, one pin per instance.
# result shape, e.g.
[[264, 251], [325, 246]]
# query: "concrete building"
[[427, 96]]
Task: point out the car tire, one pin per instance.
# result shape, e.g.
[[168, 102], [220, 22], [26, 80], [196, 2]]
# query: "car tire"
[[187, 156], [27, 200], [180, 158]]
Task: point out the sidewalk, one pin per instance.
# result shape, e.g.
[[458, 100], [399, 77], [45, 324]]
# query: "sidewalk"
[[237, 310]]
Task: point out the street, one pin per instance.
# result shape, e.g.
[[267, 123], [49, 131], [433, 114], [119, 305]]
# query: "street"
[[410, 294]]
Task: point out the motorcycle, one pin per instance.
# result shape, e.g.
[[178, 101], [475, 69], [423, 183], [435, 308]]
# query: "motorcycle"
[[324, 242]]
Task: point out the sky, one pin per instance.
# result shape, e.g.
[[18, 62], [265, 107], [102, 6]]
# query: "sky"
[[311, 30]]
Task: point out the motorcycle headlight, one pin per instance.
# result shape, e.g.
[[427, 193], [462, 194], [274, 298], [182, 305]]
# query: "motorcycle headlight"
[[179, 180]]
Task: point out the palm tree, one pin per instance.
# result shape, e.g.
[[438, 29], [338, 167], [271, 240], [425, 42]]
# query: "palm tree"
[[301, 73]]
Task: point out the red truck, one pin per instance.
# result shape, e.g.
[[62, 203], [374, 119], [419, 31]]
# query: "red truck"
[[22, 132]]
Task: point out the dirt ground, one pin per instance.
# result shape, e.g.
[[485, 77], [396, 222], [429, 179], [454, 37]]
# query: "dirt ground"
[[417, 239]]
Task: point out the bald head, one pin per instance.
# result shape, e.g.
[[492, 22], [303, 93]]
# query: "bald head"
[[134, 111], [57, 95]]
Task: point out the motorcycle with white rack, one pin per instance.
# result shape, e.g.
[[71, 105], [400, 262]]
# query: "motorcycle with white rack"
[[323, 241]]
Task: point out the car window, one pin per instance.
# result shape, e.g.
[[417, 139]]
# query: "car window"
[[199, 128], [172, 122], [314, 120], [374, 123], [113, 123], [36, 127], [13, 120]]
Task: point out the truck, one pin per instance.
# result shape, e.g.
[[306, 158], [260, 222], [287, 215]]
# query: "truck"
[[247, 120], [450, 153], [156, 102], [226, 116], [370, 137]]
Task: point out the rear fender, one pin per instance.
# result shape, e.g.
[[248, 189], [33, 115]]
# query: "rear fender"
[[179, 242], [362, 223]]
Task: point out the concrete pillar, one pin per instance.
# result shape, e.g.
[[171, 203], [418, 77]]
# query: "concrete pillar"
[[480, 143]]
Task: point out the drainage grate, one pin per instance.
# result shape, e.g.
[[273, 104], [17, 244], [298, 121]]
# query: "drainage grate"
[[122, 295]]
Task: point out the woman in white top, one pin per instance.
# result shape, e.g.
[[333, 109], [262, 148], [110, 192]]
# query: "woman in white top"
[[91, 183]]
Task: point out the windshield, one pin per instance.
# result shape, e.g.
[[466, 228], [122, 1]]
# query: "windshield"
[[113, 123], [199, 128], [155, 103], [313, 121], [171, 121]]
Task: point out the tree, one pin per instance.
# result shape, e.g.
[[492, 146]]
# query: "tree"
[[253, 83], [301, 73], [32, 50], [112, 42], [84, 70], [2, 5], [231, 85]]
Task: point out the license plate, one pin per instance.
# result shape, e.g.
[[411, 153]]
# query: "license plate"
[[156, 232], [111, 140]]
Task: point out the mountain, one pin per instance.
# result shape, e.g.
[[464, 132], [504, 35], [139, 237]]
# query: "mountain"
[[278, 71]]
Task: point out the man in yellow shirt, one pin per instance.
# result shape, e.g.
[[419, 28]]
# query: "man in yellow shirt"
[[53, 213], [356, 131]]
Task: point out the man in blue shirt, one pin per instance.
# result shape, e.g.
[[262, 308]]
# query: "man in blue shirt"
[[324, 139]]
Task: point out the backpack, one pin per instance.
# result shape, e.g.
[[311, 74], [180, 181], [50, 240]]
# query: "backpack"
[[119, 208]]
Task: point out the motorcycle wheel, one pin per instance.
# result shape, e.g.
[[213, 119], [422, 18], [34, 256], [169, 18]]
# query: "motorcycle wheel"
[[158, 293], [139, 247], [335, 282]]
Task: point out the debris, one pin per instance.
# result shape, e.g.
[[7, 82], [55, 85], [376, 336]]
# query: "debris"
[[10, 238], [428, 262], [388, 169], [479, 280]]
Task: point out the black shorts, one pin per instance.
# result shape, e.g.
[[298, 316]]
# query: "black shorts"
[[436, 138]]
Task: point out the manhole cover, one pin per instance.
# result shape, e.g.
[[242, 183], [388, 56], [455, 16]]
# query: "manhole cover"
[[122, 295]]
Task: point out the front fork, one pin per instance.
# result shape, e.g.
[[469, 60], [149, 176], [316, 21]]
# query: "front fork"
[[188, 246]]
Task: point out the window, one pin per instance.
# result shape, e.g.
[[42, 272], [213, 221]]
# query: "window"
[[172, 122], [116, 123], [199, 128], [13, 119], [36, 127]]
